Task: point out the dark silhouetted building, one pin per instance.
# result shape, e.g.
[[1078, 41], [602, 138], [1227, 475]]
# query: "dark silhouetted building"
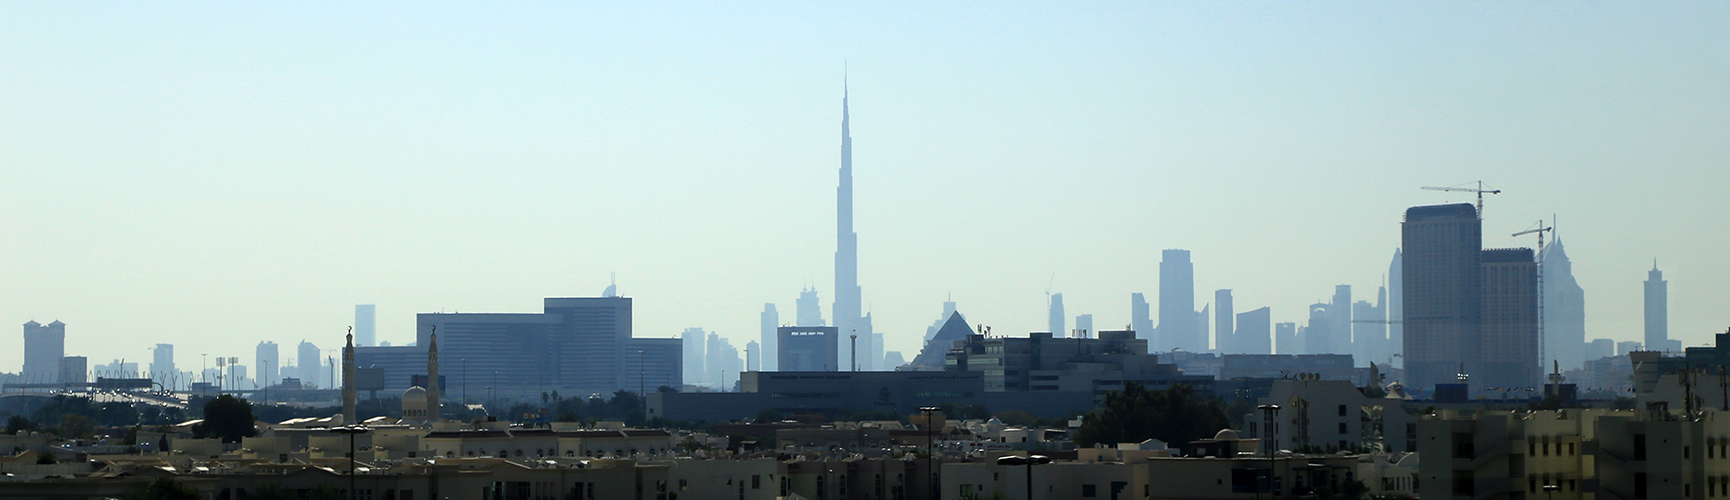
[[1508, 356], [808, 348], [1441, 247]]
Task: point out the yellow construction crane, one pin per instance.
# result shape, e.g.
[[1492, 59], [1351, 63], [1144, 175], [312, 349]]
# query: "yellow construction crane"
[[1480, 190]]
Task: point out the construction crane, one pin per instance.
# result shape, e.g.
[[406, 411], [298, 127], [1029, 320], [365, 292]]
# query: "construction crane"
[[1540, 229], [1480, 190]]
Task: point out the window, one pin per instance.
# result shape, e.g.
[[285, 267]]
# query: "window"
[[756, 481], [1342, 427], [1463, 483], [1640, 453], [1342, 410], [1089, 491], [1640, 480]]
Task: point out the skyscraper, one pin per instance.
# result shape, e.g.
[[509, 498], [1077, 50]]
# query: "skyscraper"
[[1224, 332], [848, 309], [1054, 315], [365, 325], [1177, 325], [1396, 310], [311, 364], [1084, 326], [267, 359], [806, 311], [1252, 333], [696, 345], [1340, 321], [1441, 245], [1508, 355], [1286, 340], [162, 363], [1141, 318], [44, 345], [767, 322], [1564, 309], [1657, 310]]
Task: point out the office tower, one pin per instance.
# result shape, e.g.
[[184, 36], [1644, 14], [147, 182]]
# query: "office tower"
[[162, 363], [1370, 330], [1340, 320], [654, 363], [1600, 348], [1177, 328], [1224, 332], [366, 325], [876, 359], [850, 318], [1396, 310], [809, 348], [576, 345], [948, 310], [1084, 326], [1200, 322], [1141, 319], [1054, 314], [722, 365], [1510, 341], [696, 345], [1286, 339], [1318, 334], [1252, 333], [44, 345], [265, 356], [74, 370], [753, 353], [768, 321], [591, 339], [1564, 309], [806, 310], [1657, 310], [1442, 307], [311, 369], [1625, 347]]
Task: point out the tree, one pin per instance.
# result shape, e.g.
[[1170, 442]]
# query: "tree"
[[18, 424], [165, 488], [1135, 414], [229, 418], [75, 427]]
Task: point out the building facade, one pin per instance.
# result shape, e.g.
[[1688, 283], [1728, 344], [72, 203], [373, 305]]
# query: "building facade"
[[44, 345]]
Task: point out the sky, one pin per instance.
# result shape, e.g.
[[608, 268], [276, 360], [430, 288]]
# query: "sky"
[[213, 175]]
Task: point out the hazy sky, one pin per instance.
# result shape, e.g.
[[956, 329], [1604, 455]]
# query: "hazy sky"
[[213, 175]]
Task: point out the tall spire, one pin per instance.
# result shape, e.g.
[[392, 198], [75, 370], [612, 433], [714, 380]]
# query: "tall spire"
[[847, 307]]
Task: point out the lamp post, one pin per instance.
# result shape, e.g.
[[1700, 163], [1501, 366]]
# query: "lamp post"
[[1550, 490], [1268, 412], [930, 454], [1029, 461], [351, 430]]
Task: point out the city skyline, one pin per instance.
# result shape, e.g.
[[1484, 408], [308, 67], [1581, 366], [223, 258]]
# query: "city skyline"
[[181, 183]]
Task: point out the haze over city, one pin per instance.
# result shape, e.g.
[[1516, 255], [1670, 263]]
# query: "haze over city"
[[216, 175]]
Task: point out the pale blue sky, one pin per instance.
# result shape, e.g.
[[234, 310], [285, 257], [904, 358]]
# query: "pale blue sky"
[[221, 174]]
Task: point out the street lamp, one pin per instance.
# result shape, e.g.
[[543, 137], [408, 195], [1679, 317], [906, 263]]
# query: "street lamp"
[[930, 470], [1550, 490], [351, 430], [1268, 439], [1029, 461]]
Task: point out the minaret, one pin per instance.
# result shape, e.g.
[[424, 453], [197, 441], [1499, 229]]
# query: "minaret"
[[432, 377], [848, 305], [348, 393]]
